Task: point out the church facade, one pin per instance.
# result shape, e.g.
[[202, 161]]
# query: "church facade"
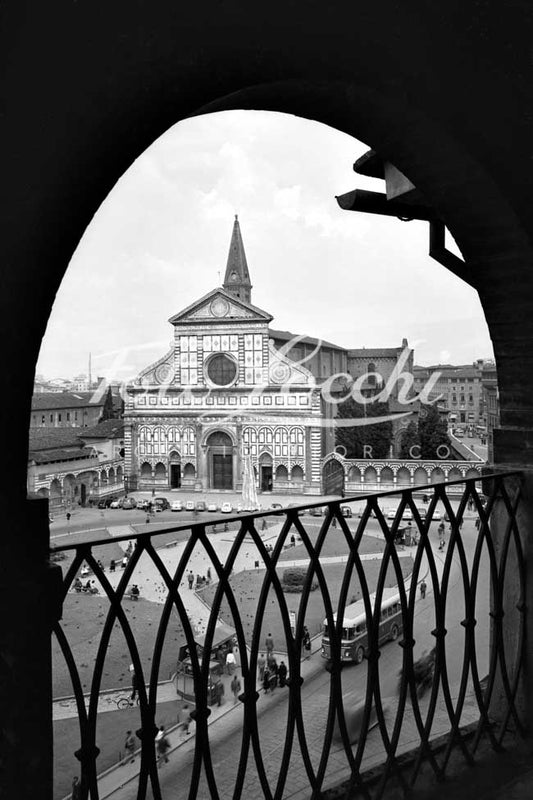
[[224, 391]]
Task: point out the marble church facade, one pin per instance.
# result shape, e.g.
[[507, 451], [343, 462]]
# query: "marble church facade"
[[222, 392]]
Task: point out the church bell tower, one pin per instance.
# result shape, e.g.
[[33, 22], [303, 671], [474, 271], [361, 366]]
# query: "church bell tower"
[[237, 278]]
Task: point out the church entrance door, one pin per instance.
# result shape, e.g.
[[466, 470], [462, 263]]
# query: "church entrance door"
[[220, 460], [266, 478], [222, 471], [175, 476]]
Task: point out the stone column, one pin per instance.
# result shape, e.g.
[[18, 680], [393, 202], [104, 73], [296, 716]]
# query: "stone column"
[[514, 451], [30, 592]]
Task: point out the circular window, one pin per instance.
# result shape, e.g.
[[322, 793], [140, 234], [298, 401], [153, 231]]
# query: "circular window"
[[221, 370]]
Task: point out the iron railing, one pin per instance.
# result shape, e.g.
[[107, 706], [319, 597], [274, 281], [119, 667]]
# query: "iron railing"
[[334, 720]]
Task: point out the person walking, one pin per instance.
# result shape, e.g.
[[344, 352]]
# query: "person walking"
[[161, 745], [423, 587], [269, 644], [235, 688], [266, 680], [219, 692], [129, 747], [230, 662], [261, 664], [190, 578], [134, 685], [440, 530], [282, 673], [306, 640]]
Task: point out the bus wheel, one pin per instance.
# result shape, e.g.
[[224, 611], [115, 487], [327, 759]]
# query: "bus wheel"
[[394, 632], [359, 655]]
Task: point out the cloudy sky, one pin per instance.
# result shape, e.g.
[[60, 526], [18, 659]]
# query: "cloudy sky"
[[161, 240]]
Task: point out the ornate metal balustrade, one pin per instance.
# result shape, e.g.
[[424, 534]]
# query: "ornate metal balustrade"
[[334, 719]]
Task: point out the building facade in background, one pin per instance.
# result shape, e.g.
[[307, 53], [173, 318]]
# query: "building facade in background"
[[460, 388], [73, 409], [76, 466]]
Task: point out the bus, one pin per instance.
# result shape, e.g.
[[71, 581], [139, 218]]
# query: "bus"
[[354, 641]]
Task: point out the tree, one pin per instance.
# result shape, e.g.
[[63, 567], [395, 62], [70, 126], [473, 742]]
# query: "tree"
[[376, 438], [409, 440], [432, 431], [108, 411]]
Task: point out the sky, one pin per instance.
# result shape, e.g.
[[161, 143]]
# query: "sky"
[[161, 238]]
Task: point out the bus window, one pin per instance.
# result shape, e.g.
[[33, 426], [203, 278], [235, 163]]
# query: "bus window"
[[361, 628]]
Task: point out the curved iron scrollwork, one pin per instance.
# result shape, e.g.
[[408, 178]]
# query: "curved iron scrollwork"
[[455, 681]]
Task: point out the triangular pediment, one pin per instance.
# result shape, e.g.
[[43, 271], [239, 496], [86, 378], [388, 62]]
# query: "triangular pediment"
[[220, 306]]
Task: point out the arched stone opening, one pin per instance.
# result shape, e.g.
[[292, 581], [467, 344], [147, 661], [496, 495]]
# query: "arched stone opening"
[[437, 475], [160, 473], [281, 473], [333, 477], [386, 477], [146, 472], [189, 475], [420, 477], [354, 475], [403, 477], [370, 478], [131, 113], [297, 475]]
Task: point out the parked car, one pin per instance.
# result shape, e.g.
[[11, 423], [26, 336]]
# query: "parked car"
[[301, 512], [346, 511], [391, 514], [226, 508], [102, 503], [200, 505], [161, 503], [128, 503], [436, 516], [316, 512], [212, 507], [189, 505], [114, 503], [459, 433], [407, 514], [277, 508], [177, 505], [421, 511]]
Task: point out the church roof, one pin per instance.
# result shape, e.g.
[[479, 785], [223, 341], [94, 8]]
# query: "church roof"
[[236, 259], [109, 429], [287, 336], [181, 316], [374, 352]]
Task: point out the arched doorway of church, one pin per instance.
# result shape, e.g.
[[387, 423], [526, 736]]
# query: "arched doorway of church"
[[220, 460], [265, 471], [333, 477], [174, 462]]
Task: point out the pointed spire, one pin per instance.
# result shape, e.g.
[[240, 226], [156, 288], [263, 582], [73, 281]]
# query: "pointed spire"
[[237, 278]]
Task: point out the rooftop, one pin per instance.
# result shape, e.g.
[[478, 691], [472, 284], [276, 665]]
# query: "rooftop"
[[51, 400]]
